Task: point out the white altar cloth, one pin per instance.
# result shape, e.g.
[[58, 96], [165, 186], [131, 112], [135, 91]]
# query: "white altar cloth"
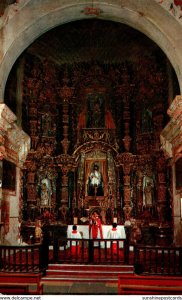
[[105, 228], [84, 229]]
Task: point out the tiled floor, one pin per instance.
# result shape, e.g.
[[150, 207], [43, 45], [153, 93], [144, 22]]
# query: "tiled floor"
[[81, 289]]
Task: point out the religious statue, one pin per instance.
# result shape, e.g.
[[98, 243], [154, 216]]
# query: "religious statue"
[[148, 186], [38, 231], [95, 182], [45, 192], [46, 124]]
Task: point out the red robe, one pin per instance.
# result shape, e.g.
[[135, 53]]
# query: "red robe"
[[95, 229], [75, 247], [113, 234]]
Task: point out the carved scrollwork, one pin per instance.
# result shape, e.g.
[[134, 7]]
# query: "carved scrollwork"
[[126, 158], [101, 134], [66, 163]]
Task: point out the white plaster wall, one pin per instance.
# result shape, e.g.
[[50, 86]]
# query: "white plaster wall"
[[11, 238]]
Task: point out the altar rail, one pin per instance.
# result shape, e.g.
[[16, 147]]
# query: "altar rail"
[[97, 251], [158, 260], [27, 259], [35, 258]]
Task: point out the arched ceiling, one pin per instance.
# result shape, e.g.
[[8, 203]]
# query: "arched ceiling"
[[24, 22], [89, 42], [93, 40]]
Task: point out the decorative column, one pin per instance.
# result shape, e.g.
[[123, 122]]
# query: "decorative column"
[[161, 188], [124, 91], [65, 161], [126, 160], [65, 142], [126, 119], [66, 93], [165, 232]]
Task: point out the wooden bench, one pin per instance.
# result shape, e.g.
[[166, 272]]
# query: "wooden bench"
[[22, 280], [14, 288], [149, 285]]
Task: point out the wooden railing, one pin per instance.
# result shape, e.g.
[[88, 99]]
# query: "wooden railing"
[[146, 259], [92, 251], [28, 259], [158, 260]]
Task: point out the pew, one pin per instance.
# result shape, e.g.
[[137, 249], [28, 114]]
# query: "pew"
[[14, 288], [22, 280], [133, 284]]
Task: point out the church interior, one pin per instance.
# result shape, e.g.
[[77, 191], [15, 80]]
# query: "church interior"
[[91, 124]]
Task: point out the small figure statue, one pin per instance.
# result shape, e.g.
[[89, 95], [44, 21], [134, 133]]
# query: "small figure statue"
[[45, 192], [38, 232], [95, 182], [148, 191]]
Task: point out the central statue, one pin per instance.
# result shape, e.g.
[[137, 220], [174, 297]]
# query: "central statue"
[[95, 182]]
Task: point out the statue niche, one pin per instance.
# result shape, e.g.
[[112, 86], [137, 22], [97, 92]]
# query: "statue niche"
[[97, 180], [94, 182], [96, 144]]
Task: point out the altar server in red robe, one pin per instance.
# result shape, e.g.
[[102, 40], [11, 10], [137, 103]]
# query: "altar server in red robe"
[[75, 245], [114, 234]]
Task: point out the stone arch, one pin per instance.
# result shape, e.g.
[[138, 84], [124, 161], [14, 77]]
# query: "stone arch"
[[32, 20]]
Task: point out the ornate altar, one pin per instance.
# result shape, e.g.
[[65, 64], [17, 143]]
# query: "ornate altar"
[[95, 144]]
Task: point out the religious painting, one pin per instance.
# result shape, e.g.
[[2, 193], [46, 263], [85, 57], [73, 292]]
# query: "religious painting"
[[96, 111], [9, 175], [95, 178]]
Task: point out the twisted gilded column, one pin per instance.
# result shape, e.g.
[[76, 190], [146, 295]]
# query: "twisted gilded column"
[[65, 161]]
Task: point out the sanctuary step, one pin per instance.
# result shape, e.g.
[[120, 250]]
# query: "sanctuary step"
[[85, 273]]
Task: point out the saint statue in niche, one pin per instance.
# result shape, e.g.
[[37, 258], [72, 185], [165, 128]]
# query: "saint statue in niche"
[[46, 124], [95, 182], [148, 187], [45, 192]]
